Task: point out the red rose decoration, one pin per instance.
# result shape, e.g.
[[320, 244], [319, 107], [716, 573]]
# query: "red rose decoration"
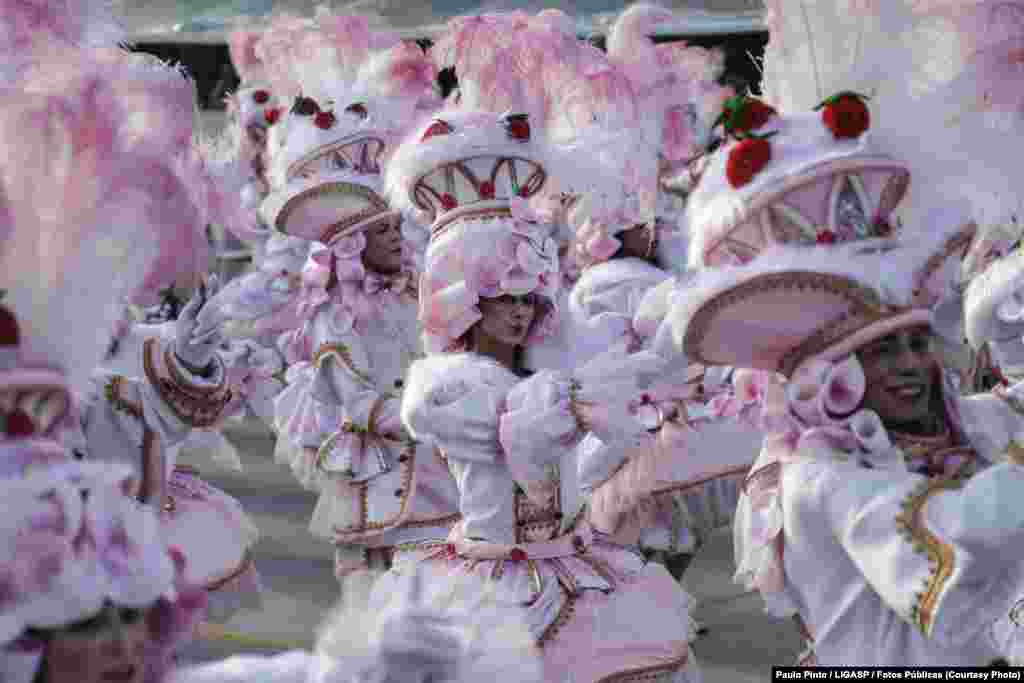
[[324, 120], [19, 424], [305, 106], [487, 189], [10, 333], [518, 127], [752, 115], [517, 555], [448, 202], [846, 115], [438, 127], [271, 116], [746, 160], [261, 97], [826, 237]]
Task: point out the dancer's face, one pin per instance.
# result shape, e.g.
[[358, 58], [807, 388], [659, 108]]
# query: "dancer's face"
[[507, 319], [107, 648], [384, 245], [900, 374]]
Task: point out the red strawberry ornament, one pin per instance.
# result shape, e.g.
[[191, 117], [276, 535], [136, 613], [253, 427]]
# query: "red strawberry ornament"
[[746, 160], [10, 334], [438, 127], [18, 424], [448, 202], [271, 116], [358, 109], [518, 127], [846, 115], [324, 120]]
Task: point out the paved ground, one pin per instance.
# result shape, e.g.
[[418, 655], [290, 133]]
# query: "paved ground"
[[741, 645]]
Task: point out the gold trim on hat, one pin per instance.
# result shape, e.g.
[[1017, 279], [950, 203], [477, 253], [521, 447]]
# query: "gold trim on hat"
[[865, 308], [359, 156], [428, 199], [963, 239], [377, 206]]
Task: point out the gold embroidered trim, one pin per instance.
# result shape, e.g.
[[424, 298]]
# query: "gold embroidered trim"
[[345, 354], [650, 673], [375, 201], [115, 397], [343, 148], [364, 525], [865, 308], [447, 520], [565, 613], [172, 362], [940, 555], [962, 239], [575, 404], [535, 523], [242, 567], [740, 471], [338, 229], [195, 411]]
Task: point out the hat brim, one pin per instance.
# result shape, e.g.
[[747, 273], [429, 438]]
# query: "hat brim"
[[793, 304], [320, 209]]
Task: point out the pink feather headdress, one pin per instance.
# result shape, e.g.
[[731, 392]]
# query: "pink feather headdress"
[[32, 29], [360, 91]]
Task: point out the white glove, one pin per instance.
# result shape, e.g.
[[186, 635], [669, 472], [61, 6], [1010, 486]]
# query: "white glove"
[[193, 344]]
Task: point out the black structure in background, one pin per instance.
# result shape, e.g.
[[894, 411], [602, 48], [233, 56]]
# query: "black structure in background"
[[210, 65]]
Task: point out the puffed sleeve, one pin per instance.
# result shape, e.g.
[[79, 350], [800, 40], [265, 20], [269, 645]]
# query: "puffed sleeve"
[[145, 386], [934, 550], [537, 427], [345, 377], [453, 402]]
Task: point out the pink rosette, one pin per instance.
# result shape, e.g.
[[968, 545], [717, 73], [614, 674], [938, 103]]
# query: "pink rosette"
[[817, 411]]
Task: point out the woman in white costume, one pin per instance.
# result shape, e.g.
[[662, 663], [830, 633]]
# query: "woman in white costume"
[[489, 286], [337, 422], [92, 593]]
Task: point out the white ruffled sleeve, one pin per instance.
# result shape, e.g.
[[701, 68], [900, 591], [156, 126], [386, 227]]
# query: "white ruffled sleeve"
[[538, 426], [345, 376], [934, 550], [453, 402]]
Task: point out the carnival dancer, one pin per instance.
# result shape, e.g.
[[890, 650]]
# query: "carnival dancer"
[[337, 421], [624, 245], [870, 459], [251, 109], [93, 591], [470, 636], [490, 281]]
